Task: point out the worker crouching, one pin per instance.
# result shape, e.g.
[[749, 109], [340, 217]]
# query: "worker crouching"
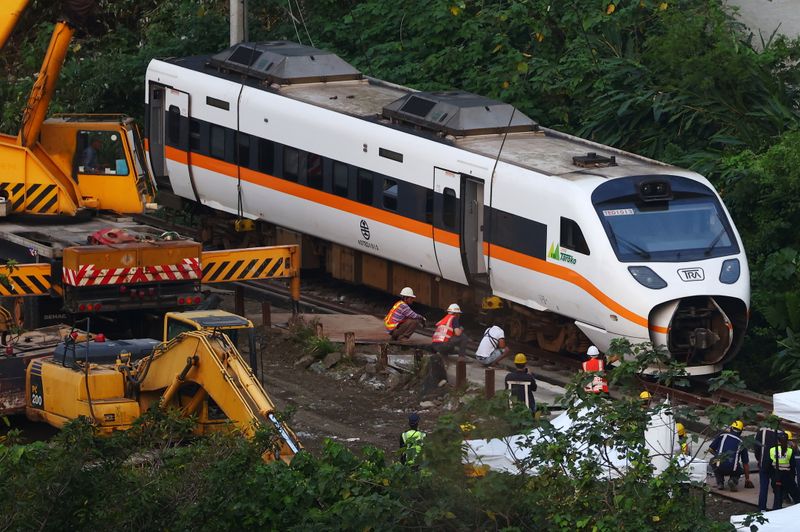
[[731, 458], [449, 335], [401, 321]]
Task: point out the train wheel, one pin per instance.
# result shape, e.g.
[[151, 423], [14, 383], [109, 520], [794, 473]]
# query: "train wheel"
[[516, 328], [553, 342]]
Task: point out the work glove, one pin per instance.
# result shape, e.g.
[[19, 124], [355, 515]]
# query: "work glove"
[[748, 484]]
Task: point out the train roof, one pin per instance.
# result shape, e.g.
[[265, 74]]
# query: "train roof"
[[468, 121]]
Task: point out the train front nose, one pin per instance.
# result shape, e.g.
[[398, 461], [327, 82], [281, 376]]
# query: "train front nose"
[[701, 331]]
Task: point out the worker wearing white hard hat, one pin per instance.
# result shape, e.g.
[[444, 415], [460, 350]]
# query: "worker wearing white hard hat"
[[449, 334], [401, 321], [596, 366]]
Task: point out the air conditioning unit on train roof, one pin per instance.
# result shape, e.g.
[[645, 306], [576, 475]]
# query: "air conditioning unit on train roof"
[[458, 113], [284, 62]]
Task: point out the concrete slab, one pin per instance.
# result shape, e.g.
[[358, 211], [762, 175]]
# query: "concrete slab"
[[367, 328]]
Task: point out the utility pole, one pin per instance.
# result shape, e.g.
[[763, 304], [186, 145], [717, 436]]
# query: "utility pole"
[[238, 11]]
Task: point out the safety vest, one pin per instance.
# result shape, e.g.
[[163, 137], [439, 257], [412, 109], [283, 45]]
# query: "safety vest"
[[412, 440], [783, 460], [599, 383], [444, 329], [685, 447], [390, 320]]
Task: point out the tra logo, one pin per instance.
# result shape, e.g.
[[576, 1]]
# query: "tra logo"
[[691, 274], [364, 229]]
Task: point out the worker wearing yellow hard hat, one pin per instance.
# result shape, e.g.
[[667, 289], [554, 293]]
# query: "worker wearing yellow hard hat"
[[683, 440], [646, 398], [520, 383], [731, 458]]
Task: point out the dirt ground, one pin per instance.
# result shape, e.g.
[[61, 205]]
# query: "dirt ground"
[[334, 404]]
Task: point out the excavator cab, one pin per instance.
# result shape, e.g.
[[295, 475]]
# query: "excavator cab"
[[176, 323]]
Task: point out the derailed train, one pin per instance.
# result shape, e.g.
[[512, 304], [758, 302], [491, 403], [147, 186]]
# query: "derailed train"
[[456, 194]]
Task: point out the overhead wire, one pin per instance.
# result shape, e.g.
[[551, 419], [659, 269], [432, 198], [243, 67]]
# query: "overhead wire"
[[303, 20], [294, 23]]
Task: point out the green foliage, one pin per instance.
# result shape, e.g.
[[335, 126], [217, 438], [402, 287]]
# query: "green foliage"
[[156, 477]]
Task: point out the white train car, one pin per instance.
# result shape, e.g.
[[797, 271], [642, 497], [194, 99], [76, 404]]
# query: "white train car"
[[447, 191]]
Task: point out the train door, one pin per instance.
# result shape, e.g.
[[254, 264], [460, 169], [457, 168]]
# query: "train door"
[[175, 148], [472, 230], [155, 131], [458, 226]]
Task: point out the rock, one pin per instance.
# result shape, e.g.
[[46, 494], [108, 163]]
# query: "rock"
[[371, 368], [427, 404], [331, 359], [396, 379], [433, 372], [305, 361], [317, 367]]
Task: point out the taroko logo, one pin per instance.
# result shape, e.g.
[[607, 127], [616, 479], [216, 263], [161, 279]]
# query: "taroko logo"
[[364, 229], [692, 274]]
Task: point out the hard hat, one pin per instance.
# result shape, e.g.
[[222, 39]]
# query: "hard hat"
[[645, 395], [593, 351], [789, 434], [737, 425], [520, 358], [407, 292], [781, 435], [454, 308], [413, 419], [681, 429]]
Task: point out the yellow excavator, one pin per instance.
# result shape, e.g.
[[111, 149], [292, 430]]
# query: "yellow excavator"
[[199, 372]]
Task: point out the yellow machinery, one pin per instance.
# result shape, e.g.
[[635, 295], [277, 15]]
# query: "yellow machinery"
[[199, 372], [69, 163]]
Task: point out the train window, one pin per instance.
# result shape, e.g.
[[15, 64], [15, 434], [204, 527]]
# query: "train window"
[[389, 154], [174, 126], [365, 189], [194, 134], [314, 171], [266, 156], [244, 150], [340, 179], [449, 208], [216, 102], [572, 237], [390, 194], [217, 142], [291, 163]]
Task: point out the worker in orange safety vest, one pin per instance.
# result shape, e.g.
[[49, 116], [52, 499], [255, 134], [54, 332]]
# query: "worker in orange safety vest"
[[449, 334], [596, 366], [401, 321]]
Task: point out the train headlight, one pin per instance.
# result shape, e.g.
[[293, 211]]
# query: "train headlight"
[[647, 277], [730, 271]]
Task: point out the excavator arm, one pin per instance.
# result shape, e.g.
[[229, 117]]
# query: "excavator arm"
[[210, 360]]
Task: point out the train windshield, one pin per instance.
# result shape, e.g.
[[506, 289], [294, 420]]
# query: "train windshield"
[[685, 223]]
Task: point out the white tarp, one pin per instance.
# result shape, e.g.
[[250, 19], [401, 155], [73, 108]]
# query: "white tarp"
[[787, 519], [787, 405], [507, 454]]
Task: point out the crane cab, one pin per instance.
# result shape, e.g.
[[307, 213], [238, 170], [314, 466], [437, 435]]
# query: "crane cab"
[[104, 157]]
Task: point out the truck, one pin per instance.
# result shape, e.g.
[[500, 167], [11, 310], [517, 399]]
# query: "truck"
[[72, 189], [198, 372]]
